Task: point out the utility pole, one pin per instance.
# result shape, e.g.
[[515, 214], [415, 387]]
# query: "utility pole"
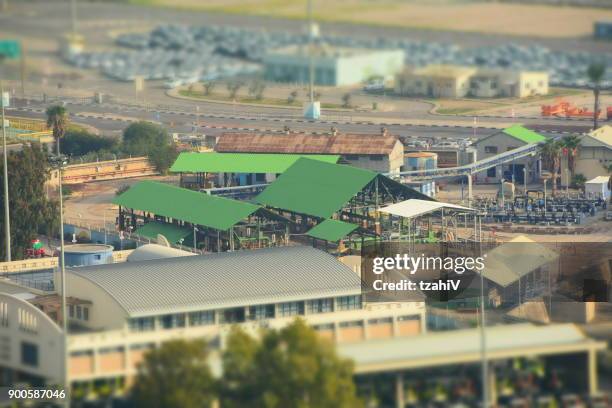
[[7, 217], [311, 51], [73, 17]]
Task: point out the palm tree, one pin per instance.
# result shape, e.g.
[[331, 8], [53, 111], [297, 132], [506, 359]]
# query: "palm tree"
[[57, 119], [596, 72], [571, 143], [550, 152]]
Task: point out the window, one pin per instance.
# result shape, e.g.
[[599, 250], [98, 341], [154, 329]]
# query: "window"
[[491, 149], [202, 318], [351, 157], [86, 313], [382, 320], [320, 306], [325, 326], [232, 315], [261, 312], [377, 157], [142, 324], [79, 312], [409, 317], [357, 323], [71, 310], [349, 302], [97, 257], [491, 172], [29, 354], [172, 321], [291, 309]]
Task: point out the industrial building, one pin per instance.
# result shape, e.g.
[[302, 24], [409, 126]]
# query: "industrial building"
[[115, 321], [382, 152], [450, 81], [333, 66], [506, 140]]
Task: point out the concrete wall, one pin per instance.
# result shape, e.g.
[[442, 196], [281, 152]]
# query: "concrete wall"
[[21, 324], [105, 170], [390, 163]]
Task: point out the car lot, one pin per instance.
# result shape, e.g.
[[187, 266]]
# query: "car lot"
[[184, 52]]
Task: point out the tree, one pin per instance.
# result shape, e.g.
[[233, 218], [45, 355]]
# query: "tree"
[[550, 152], [57, 119], [570, 144], [578, 180], [140, 137], [81, 142], [176, 375], [30, 210], [151, 140], [346, 100], [232, 88], [596, 72], [292, 97], [208, 87], [291, 367]]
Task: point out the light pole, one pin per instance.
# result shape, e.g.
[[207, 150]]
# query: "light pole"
[[7, 217], [545, 180], [60, 161], [195, 242], [525, 180], [567, 182]]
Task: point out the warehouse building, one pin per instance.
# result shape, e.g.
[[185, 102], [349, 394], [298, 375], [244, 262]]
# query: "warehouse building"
[[333, 66], [594, 155], [382, 152], [450, 81]]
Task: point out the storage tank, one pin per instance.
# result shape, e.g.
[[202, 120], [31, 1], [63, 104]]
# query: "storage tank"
[[88, 254], [420, 161]]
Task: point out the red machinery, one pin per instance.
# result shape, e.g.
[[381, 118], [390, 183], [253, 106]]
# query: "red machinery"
[[36, 250]]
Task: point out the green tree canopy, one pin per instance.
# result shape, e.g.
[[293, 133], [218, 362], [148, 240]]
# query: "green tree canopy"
[[176, 375], [149, 139], [57, 120], [141, 137], [78, 142], [291, 367], [31, 212]]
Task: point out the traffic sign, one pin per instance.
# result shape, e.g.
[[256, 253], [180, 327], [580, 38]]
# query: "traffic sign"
[[10, 49]]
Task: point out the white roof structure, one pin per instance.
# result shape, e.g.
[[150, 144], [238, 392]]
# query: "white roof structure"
[[516, 258], [153, 251], [599, 180], [463, 346], [415, 208]]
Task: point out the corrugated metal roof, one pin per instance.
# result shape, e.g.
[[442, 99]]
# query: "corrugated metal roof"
[[302, 143], [440, 348], [186, 205], [332, 230], [315, 188], [190, 162], [523, 134], [223, 280]]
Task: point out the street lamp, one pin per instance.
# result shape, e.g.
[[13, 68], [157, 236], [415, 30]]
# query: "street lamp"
[[195, 246], [58, 162], [7, 219]]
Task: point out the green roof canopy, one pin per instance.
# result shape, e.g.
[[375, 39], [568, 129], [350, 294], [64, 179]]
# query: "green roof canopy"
[[332, 230], [315, 188], [190, 162], [186, 205], [523, 134], [173, 233]]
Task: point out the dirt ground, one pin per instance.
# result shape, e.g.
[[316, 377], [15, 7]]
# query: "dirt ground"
[[454, 15]]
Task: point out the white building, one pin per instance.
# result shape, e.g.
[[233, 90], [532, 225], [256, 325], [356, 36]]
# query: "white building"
[[333, 66]]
